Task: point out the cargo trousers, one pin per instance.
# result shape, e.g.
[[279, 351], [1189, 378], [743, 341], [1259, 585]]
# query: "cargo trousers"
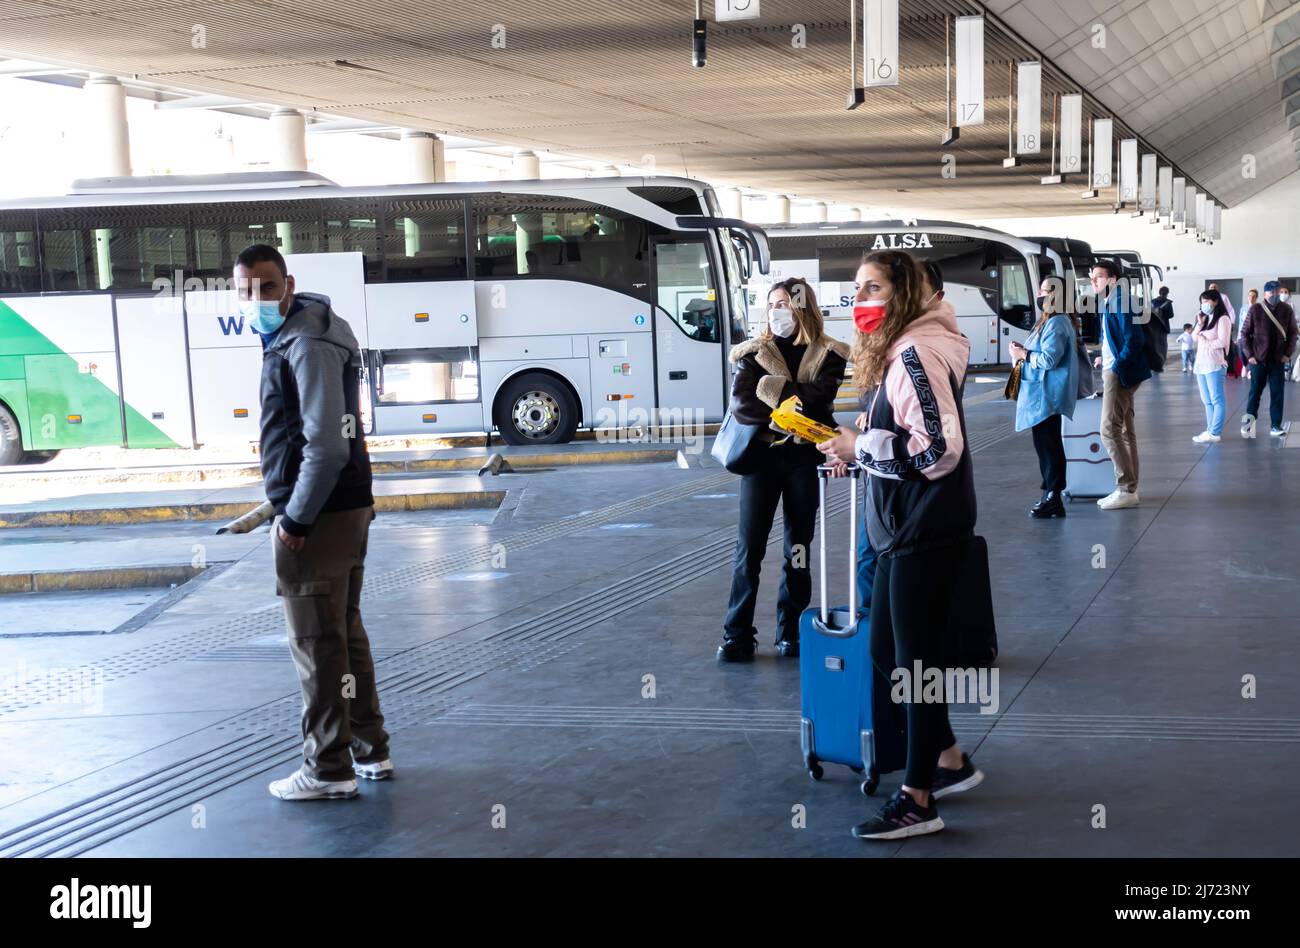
[[321, 588]]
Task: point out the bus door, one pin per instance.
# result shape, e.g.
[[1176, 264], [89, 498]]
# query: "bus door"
[[226, 354], [1016, 314], [688, 332]]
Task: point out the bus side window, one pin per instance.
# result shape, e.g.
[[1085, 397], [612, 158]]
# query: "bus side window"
[[18, 270], [424, 239], [221, 231], [352, 226], [69, 261], [558, 238]]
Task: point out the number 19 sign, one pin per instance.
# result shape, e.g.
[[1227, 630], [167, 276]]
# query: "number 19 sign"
[[880, 42]]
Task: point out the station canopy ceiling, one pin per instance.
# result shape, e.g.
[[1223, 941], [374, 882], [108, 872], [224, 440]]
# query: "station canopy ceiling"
[[1201, 82]]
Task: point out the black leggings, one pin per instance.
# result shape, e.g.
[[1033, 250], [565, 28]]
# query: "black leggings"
[[910, 605], [1051, 452]]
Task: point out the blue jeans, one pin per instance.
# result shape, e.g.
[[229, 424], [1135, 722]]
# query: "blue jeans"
[[866, 563], [1189, 358], [1211, 385], [1272, 374]]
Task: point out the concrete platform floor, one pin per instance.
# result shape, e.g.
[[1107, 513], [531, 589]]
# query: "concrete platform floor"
[[514, 653]]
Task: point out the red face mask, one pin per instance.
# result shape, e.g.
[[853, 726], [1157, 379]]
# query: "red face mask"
[[869, 314]]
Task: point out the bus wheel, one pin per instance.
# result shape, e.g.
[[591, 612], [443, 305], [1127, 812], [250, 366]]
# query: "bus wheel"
[[536, 409], [11, 439]]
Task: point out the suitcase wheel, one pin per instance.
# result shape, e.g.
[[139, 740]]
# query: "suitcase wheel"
[[869, 785], [815, 770]]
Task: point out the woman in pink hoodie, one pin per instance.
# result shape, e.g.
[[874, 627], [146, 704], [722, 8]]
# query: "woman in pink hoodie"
[[911, 360]]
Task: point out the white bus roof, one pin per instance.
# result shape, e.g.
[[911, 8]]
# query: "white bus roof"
[[777, 231], [292, 186]]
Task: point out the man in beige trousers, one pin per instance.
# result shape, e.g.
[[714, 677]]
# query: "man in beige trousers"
[[317, 477], [1125, 366]]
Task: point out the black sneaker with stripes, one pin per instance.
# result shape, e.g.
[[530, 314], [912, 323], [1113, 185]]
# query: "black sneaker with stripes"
[[901, 816], [963, 778]]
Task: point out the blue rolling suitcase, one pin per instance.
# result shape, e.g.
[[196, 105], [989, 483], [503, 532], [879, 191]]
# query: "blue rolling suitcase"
[[847, 716]]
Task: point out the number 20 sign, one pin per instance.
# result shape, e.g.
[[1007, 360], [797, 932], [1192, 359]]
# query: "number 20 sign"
[[880, 42]]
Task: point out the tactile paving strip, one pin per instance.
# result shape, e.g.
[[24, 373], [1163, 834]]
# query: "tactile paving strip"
[[193, 644], [413, 684], [967, 725]]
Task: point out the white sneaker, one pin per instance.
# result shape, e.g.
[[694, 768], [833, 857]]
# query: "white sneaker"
[[1118, 500], [1109, 497], [1277, 432], [1206, 438], [1248, 426], [379, 770], [300, 786]]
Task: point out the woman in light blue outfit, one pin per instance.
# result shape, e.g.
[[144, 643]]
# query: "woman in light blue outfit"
[[1049, 387]]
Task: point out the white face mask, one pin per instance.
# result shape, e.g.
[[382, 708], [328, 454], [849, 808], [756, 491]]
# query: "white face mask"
[[781, 322], [1283, 297]]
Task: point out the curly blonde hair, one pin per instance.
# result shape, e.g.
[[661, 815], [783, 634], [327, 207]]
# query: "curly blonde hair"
[[906, 303]]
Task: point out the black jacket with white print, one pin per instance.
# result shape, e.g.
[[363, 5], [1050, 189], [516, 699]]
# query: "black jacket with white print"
[[922, 488]]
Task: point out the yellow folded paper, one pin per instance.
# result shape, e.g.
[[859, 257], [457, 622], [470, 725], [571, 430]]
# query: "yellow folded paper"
[[789, 417]]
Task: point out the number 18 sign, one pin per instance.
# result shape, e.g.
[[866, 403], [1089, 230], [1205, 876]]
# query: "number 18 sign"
[[880, 42]]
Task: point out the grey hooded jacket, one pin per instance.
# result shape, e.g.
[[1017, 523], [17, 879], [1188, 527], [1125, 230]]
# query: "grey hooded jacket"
[[313, 449]]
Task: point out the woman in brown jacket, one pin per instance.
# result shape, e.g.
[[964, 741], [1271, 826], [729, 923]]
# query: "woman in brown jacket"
[[791, 356]]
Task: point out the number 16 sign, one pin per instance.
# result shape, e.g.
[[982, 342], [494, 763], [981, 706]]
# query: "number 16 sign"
[[880, 42]]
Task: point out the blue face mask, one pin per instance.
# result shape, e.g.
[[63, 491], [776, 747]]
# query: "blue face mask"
[[262, 315]]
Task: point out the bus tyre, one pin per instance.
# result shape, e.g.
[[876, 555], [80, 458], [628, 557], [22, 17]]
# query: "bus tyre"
[[536, 409], [11, 439]]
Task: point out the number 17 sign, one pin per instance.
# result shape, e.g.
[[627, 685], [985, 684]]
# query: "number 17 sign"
[[880, 42]]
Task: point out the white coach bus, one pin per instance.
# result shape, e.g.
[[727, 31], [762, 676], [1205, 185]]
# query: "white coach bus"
[[526, 307], [990, 277]]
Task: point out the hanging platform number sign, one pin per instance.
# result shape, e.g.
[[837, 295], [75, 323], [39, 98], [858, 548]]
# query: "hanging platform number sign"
[[880, 42], [1147, 184], [1071, 134], [1029, 109], [724, 10], [1128, 169], [970, 70], [1103, 152]]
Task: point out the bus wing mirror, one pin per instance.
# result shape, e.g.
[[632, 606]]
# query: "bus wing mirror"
[[756, 237], [742, 248]]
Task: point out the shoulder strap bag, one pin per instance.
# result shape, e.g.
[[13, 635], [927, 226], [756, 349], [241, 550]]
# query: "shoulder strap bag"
[[738, 447]]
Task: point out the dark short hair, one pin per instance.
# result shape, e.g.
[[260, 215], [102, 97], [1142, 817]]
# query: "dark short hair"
[[934, 274], [1164, 291], [261, 253], [1187, 325], [1110, 266]]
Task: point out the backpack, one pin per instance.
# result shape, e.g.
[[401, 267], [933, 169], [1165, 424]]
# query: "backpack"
[[1155, 334]]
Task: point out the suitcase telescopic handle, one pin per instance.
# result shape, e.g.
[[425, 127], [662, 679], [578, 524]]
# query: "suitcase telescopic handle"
[[823, 474]]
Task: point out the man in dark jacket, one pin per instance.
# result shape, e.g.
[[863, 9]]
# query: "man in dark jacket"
[[1124, 367], [1162, 310], [317, 477], [1268, 338]]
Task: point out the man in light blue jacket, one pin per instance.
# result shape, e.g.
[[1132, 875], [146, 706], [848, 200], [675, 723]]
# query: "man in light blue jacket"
[[1049, 386]]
